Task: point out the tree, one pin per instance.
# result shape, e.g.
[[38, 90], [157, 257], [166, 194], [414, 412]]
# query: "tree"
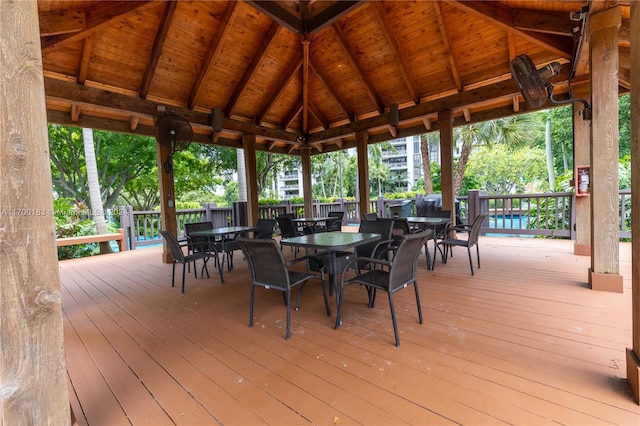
[[507, 172], [426, 141], [97, 211], [120, 158], [511, 132]]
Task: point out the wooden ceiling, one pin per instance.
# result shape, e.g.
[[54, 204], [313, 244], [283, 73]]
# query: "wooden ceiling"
[[304, 74]]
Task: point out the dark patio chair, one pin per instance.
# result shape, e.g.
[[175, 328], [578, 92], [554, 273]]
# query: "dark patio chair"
[[370, 216], [270, 271], [202, 244], [448, 242], [264, 228], [180, 257], [335, 224], [390, 276], [287, 229]]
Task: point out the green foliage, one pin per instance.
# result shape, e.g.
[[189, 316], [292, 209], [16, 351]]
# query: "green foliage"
[[549, 214], [72, 219], [507, 172]]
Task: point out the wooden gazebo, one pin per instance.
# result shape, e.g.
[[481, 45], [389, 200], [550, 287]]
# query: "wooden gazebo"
[[295, 77]]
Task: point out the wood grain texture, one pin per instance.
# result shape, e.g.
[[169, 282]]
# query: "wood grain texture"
[[33, 376], [524, 341]]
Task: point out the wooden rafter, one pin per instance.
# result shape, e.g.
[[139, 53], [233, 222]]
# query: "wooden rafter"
[[331, 90], [512, 54], [272, 32], [99, 16], [368, 86], [558, 23], [305, 86], [447, 46], [295, 67], [397, 52], [62, 22], [503, 17], [292, 114], [318, 115], [156, 50], [214, 50], [329, 15], [278, 14], [85, 55]]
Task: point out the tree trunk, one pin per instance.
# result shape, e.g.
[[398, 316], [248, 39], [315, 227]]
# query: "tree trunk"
[[242, 177], [550, 171], [97, 211], [426, 164], [463, 159]]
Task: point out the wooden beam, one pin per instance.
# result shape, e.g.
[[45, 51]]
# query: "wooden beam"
[[278, 14], [546, 21], [85, 56], [307, 184], [329, 15], [259, 56], [109, 101], [582, 157], [33, 375], [447, 46], [633, 353], [362, 142], [215, 47], [318, 115], [292, 114], [99, 16], [305, 86], [347, 112], [447, 145], [56, 22], [502, 16], [282, 84], [368, 86], [503, 89], [75, 112], [400, 59], [251, 171], [158, 45], [605, 260]]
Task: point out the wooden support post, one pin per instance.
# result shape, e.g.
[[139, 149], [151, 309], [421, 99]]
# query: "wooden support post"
[[446, 162], [633, 353], [582, 156], [605, 248], [33, 375], [306, 182], [167, 196], [362, 146], [251, 173]]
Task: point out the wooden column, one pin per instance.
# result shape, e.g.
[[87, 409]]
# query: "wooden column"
[[633, 353], [33, 375], [167, 196], [605, 248], [446, 161], [582, 157], [251, 173], [306, 183], [362, 146]]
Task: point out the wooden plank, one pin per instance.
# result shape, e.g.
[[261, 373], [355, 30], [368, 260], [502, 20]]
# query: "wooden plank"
[[523, 343], [32, 370]]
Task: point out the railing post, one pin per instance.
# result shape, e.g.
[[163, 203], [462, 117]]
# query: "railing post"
[[127, 222], [382, 211]]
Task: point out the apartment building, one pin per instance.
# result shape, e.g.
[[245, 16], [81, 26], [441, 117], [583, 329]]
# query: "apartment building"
[[404, 160]]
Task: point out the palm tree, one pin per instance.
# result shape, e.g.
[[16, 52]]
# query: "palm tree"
[[97, 212], [511, 132], [426, 140]]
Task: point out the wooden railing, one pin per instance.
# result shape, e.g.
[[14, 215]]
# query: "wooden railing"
[[547, 214], [118, 237]]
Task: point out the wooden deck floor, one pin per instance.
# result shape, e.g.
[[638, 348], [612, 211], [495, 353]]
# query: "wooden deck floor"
[[524, 341]]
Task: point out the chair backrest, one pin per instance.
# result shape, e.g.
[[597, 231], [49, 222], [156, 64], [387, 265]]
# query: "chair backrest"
[[266, 263], [287, 228], [336, 223], [370, 216], [197, 243], [383, 227], [401, 226], [405, 260], [264, 228], [475, 229], [174, 246], [336, 214]]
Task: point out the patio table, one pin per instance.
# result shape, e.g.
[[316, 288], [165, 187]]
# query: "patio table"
[[226, 234], [331, 243]]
